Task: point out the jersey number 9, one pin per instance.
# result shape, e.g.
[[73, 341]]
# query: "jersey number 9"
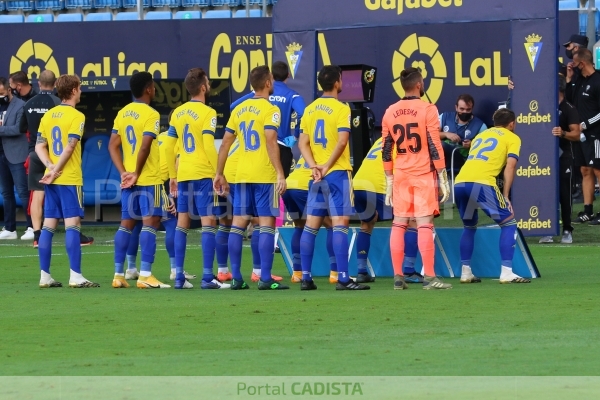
[[131, 139], [57, 145], [189, 143], [251, 137]]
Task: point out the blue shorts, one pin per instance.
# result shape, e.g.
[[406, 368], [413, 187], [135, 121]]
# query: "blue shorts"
[[256, 199], [197, 198], [63, 201], [366, 203], [332, 196], [143, 201], [225, 206], [469, 196], [295, 203]]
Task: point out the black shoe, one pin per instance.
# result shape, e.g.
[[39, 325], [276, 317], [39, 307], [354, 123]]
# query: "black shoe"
[[271, 285], [582, 218], [595, 220], [307, 285], [277, 250], [239, 285], [85, 240], [351, 285], [364, 278]]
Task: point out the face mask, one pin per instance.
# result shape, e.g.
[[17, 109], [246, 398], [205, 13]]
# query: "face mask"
[[15, 92], [4, 100], [569, 54], [465, 116], [577, 68]]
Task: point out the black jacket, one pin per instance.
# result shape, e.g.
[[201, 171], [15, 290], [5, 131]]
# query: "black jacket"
[[33, 111]]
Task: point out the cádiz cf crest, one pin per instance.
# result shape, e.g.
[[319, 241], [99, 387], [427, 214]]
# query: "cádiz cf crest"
[[294, 55], [533, 48]]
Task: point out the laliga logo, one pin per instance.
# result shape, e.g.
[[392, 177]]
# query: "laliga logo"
[[534, 222], [533, 170], [417, 49], [533, 117], [36, 56], [369, 76]]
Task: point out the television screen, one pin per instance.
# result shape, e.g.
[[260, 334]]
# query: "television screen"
[[352, 89], [100, 110]]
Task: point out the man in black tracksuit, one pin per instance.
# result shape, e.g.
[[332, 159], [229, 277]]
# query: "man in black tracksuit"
[[584, 94]]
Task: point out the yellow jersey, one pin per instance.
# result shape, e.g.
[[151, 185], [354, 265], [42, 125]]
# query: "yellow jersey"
[[323, 119], [300, 176], [193, 124], [133, 122], [370, 175], [57, 126], [488, 154], [231, 166], [162, 151], [248, 122]]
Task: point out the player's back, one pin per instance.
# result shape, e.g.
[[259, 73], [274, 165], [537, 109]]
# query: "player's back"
[[411, 128], [162, 147], [323, 120], [488, 154], [189, 123], [57, 126], [248, 122], [300, 176], [133, 122], [370, 176], [233, 158]]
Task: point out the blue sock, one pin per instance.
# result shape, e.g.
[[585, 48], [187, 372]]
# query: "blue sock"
[[255, 247], [467, 244], [208, 252], [45, 248], [180, 238], [340, 247], [170, 225], [508, 240], [236, 237], [73, 245], [122, 238], [329, 245], [363, 244], [296, 260], [134, 243], [307, 250], [221, 245], [266, 246], [148, 243], [411, 248]]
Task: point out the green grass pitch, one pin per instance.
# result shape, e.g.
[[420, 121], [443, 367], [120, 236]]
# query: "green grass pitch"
[[544, 328]]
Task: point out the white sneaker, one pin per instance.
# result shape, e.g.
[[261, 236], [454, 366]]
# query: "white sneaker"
[[28, 235], [8, 235], [567, 238], [215, 284], [131, 274], [49, 283], [187, 285], [187, 276], [547, 239]]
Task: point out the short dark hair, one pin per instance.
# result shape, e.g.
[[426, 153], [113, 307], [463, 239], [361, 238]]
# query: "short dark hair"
[[195, 78], [410, 77], [467, 98], [139, 82], [280, 70], [20, 77], [3, 82], [65, 85], [259, 76], [562, 83], [503, 117], [328, 76], [584, 55]]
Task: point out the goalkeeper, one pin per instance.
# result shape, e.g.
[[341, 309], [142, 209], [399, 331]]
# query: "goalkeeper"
[[413, 162]]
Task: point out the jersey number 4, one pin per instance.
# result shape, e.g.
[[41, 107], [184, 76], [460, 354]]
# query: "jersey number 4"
[[406, 134]]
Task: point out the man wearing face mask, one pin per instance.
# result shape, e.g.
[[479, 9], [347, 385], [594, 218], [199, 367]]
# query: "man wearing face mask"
[[575, 42], [458, 128], [20, 86], [12, 165]]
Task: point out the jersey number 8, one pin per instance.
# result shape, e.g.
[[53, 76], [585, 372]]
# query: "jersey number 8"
[[57, 145]]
